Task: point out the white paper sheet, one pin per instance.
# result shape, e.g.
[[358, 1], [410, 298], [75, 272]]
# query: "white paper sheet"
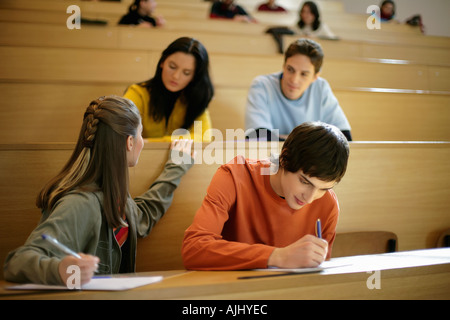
[[395, 260], [325, 265], [99, 283], [366, 263]]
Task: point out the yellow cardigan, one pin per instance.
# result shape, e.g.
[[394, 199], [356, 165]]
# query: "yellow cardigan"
[[151, 129]]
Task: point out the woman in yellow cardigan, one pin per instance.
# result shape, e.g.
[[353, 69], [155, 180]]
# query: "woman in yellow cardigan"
[[177, 95]]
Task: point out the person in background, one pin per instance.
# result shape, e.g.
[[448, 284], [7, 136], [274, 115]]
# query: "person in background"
[[310, 24], [250, 219], [283, 100], [87, 207], [271, 6], [178, 94], [227, 9], [140, 14], [387, 11], [387, 14]]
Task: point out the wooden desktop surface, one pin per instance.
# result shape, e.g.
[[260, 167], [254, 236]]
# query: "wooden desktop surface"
[[402, 279]]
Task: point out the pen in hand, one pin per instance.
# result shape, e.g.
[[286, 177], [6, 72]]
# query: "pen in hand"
[[319, 229], [88, 264], [60, 246]]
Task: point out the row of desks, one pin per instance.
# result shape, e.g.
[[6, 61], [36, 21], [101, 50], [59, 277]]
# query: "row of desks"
[[196, 16], [397, 187], [421, 274]]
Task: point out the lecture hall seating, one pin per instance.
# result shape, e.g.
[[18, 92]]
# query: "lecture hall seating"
[[370, 113], [388, 186], [74, 60], [30, 69], [392, 87]]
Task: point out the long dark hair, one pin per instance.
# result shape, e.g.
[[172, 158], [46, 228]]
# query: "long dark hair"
[[99, 157], [315, 11], [197, 94]]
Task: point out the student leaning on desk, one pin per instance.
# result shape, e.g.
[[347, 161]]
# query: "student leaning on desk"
[[87, 206], [250, 219], [178, 95]]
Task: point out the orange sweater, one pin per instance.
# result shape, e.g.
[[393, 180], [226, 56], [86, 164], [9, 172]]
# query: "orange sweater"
[[242, 220]]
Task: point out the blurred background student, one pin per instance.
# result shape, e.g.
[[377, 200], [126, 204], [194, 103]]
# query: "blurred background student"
[[387, 11], [387, 15], [309, 23], [140, 14], [271, 6], [227, 9], [178, 94]]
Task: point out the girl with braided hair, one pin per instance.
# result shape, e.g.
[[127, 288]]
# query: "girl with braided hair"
[[87, 206]]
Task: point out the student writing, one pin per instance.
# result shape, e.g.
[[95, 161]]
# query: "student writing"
[[250, 219], [87, 206]]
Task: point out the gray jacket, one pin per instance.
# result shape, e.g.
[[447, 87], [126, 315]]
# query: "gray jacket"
[[78, 222]]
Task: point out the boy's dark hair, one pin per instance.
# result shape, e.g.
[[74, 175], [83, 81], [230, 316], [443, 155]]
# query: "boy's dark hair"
[[309, 48], [318, 149]]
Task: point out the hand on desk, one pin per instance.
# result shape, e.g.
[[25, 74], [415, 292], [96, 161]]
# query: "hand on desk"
[[307, 252], [88, 264]]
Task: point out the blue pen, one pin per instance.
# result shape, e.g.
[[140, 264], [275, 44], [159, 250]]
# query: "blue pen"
[[60, 246], [319, 229]]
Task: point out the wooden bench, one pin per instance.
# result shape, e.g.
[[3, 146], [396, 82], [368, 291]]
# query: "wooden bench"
[[75, 65], [347, 26], [396, 187], [217, 38], [192, 18], [216, 41], [78, 67], [396, 116], [118, 8], [373, 116], [122, 7], [41, 112], [47, 111], [340, 73], [126, 37], [128, 66], [173, 12]]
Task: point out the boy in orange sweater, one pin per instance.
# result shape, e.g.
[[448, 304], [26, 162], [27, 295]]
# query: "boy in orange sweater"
[[251, 220]]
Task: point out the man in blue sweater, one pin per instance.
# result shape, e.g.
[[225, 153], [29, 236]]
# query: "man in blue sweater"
[[283, 100]]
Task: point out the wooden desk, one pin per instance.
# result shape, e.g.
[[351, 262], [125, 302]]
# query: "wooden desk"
[[402, 116], [124, 67], [414, 206], [218, 38], [424, 274]]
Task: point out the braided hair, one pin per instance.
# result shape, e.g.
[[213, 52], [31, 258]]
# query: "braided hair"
[[99, 160], [91, 124]]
